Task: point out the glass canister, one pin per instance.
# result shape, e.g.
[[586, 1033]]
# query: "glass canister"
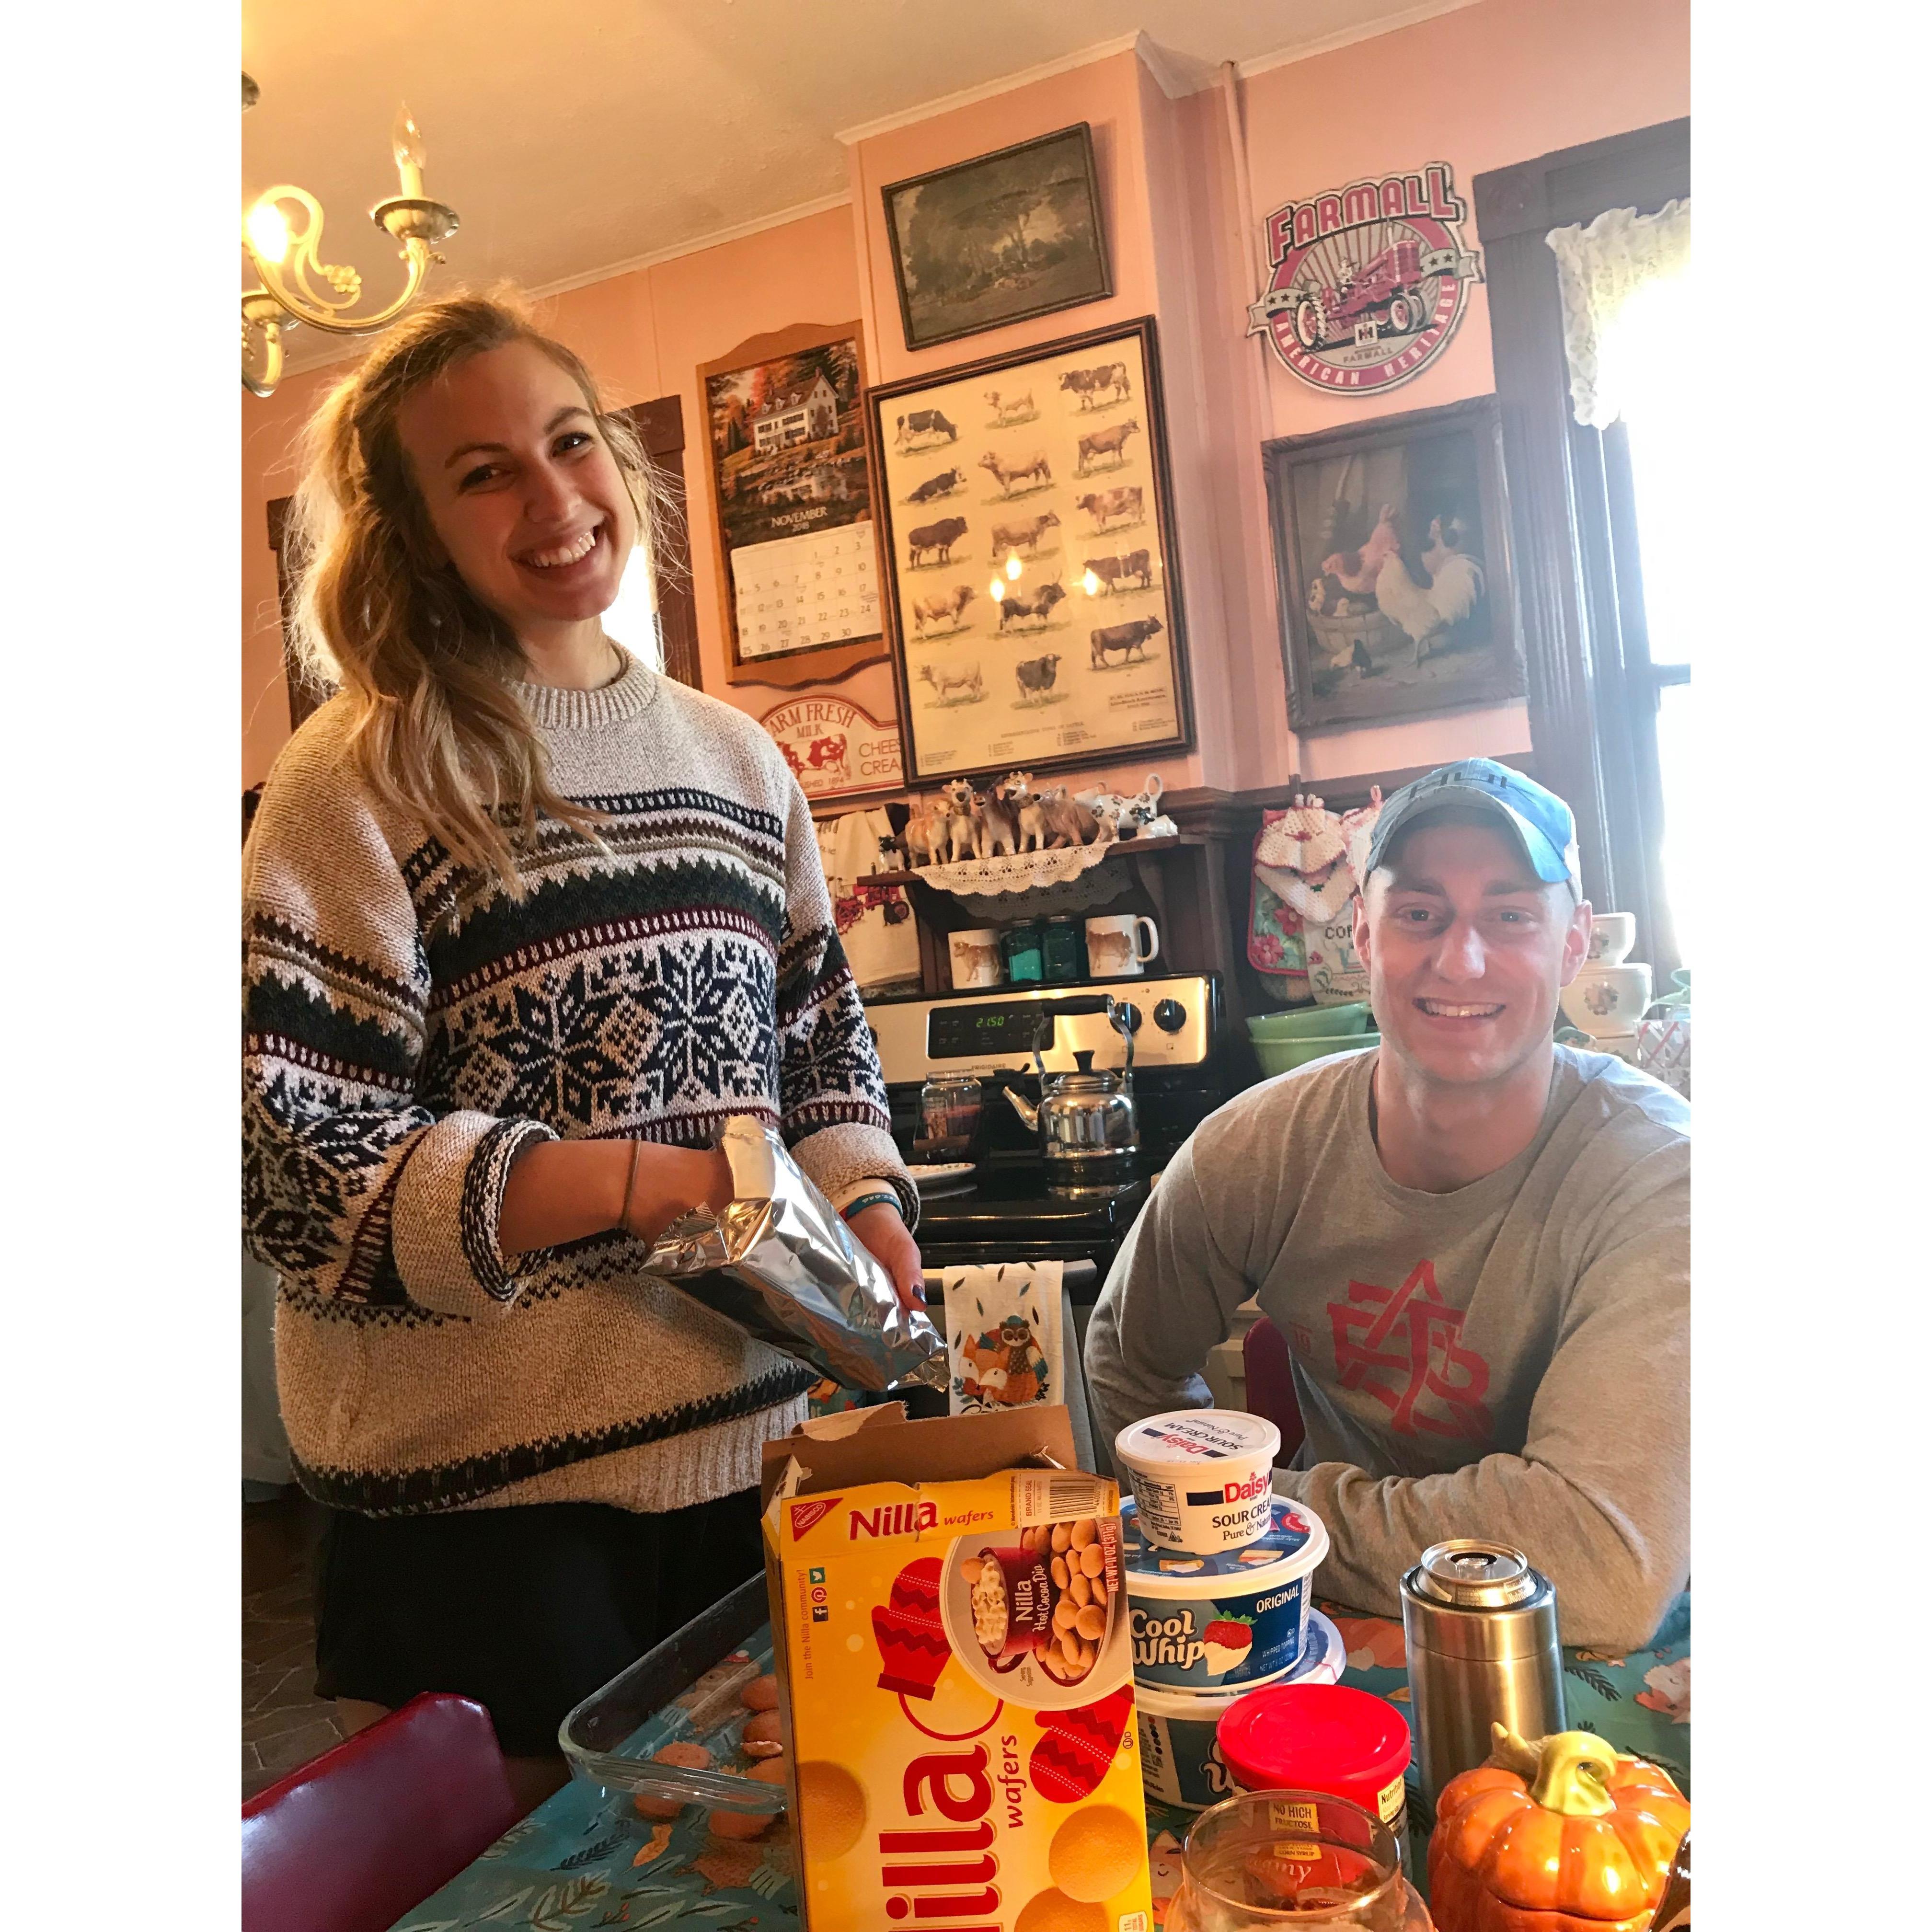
[[1297, 1859], [1025, 954], [950, 1105], [1063, 956]]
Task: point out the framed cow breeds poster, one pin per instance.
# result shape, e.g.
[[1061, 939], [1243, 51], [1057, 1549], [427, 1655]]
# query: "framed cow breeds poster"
[[1032, 585], [798, 567]]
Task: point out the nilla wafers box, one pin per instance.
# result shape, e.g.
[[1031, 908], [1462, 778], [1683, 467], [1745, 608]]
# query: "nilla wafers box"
[[951, 1631]]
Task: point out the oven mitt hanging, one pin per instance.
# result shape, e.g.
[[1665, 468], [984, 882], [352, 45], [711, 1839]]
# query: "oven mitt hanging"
[[1274, 932]]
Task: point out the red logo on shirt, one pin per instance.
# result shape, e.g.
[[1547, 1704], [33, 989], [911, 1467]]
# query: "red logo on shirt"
[[1410, 1332]]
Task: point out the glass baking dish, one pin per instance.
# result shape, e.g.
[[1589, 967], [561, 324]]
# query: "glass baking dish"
[[685, 1691]]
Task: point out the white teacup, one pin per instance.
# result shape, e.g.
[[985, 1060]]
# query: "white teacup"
[[976, 958], [1120, 945], [1604, 1000], [1612, 934]]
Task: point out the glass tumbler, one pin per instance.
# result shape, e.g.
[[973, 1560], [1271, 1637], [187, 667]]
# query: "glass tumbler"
[[1282, 1861]]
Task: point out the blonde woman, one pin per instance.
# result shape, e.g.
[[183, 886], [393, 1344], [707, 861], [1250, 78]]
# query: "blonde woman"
[[526, 923]]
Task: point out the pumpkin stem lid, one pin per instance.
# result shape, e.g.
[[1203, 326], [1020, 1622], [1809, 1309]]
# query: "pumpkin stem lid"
[[1572, 1770]]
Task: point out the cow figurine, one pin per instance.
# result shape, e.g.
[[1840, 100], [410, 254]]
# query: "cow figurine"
[[962, 819], [925, 831], [998, 829], [1069, 822]]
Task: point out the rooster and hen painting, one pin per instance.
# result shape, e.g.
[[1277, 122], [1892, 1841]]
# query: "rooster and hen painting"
[[1391, 551]]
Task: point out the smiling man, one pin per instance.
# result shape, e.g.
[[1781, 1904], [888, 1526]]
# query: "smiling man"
[[1476, 1241]]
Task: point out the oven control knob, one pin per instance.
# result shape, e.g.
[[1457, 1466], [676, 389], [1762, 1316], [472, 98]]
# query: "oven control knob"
[[1170, 1016], [1126, 1016]]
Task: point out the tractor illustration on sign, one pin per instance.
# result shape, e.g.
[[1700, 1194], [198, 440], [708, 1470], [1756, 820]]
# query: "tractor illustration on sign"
[[1385, 291]]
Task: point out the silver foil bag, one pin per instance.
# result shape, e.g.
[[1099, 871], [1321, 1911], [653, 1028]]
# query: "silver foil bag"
[[780, 1262]]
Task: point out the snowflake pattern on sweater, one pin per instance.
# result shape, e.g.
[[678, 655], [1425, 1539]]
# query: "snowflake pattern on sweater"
[[411, 1027]]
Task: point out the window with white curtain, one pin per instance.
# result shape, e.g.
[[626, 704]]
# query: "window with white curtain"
[[1628, 331]]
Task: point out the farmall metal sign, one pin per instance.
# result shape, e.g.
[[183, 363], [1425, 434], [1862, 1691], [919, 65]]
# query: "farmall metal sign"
[[834, 748], [1368, 282]]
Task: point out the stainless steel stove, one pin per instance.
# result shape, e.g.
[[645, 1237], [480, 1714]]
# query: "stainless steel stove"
[[1006, 1212]]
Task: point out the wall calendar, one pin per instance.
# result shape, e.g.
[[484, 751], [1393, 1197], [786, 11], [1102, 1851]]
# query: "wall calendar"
[[819, 587]]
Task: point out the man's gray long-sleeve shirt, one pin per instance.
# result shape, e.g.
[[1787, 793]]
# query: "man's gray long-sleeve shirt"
[[1509, 1360]]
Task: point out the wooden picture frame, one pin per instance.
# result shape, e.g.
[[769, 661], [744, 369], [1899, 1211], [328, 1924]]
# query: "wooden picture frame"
[[784, 424], [998, 239], [1392, 615], [1051, 463]]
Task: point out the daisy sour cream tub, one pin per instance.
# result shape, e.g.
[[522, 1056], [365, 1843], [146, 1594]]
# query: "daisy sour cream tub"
[[1229, 1621], [1203, 1478]]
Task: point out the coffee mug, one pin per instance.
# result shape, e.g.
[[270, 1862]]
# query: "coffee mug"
[[1612, 934], [1606, 999], [976, 958], [1120, 945]]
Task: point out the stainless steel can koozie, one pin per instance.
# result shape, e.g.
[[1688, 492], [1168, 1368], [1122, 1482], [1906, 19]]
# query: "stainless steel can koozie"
[[1480, 1625]]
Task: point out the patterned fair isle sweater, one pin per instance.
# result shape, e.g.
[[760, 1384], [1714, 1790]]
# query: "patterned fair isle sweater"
[[410, 1027]]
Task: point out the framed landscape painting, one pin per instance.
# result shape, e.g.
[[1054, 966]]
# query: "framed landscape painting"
[[999, 238], [1391, 542], [1032, 584]]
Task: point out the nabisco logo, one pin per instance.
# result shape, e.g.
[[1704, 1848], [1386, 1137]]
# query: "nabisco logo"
[[894, 1520], [805, 1515]]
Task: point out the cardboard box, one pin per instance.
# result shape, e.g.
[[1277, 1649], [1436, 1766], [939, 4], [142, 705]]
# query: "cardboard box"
[[954, 1767]]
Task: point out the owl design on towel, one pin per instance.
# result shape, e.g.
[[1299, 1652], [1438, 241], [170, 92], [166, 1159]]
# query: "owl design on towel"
[[1008, 1365]]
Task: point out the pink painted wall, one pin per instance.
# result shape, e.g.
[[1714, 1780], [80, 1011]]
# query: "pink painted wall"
[[1479, 88], [1484, 86]]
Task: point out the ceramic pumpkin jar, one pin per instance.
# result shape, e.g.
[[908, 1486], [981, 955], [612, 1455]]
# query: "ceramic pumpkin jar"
[[1563, 1835]]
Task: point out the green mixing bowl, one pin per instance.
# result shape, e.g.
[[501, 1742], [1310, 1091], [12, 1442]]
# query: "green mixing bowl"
[[1304, 1022], [1282, 1056]]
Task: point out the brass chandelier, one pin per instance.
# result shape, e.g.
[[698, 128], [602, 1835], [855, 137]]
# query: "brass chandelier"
[[298, 285]]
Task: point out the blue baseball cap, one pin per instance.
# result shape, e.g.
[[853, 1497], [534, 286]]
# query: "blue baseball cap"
[[1541, 822]]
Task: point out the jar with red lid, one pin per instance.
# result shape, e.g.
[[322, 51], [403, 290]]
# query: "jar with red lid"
[[1320, 1737]]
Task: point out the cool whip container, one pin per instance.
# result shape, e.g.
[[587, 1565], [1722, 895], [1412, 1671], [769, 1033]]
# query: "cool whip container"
[[1203, 1478], [1229, 1621], [1181, 1761]]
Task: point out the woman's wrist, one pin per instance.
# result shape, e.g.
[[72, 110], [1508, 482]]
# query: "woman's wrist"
[[873, 1197], [671, 1181]]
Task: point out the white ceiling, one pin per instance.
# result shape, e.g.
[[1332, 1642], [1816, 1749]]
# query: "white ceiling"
[[579, 137]]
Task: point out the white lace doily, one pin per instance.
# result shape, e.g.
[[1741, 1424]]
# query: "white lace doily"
[[1017, 872]]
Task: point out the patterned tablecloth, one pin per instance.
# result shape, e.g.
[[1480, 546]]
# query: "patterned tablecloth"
[[584, 1859]]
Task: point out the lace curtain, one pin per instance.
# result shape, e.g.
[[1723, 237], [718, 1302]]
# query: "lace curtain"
[[1604, 270]]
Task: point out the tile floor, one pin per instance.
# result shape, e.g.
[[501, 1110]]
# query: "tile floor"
[[284, 1724]]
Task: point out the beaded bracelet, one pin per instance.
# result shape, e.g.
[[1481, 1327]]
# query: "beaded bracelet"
[[884, 1197]]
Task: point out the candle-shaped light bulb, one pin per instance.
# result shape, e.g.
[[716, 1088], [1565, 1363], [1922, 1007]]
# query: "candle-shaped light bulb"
[[1090, 584], [1013, 565], [999, 589], [268, 232], [405, 141]]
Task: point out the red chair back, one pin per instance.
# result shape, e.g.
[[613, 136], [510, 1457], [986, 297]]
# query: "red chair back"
[[356, 1837], [1270, 1384]]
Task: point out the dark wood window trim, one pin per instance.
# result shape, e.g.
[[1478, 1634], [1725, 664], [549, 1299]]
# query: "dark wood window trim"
[[1592, 688], [661, 424]]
